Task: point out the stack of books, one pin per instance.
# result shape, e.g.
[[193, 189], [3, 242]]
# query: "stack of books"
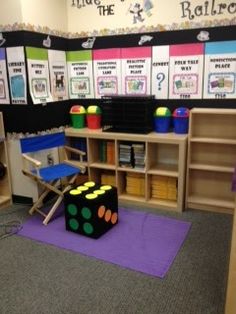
[[107, 178], [164, 187], [103, 151], [139, 155], [126, 155], [110, 152], [107, 152], [135, 184]]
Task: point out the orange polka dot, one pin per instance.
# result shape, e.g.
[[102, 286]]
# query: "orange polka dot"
[[101, 211], [108, 215], [114, 218]]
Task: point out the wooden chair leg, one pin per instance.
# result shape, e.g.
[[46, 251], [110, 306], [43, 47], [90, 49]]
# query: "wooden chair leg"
[[39, 201], [52, 210]]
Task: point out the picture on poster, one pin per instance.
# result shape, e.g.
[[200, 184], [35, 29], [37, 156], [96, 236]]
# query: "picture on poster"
[[220, 70], [17, 85], [135, 85], [80, 74], [107, 72], [59, 85], [2, 89], [160, 71], [185, 84], [39, 88], [17, 74], [58, 74], [107, 85], [221, 83], [136, 70], [186, 71], [80, 86]]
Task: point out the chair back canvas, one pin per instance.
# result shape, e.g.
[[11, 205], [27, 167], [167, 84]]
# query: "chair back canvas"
[[41, 142]]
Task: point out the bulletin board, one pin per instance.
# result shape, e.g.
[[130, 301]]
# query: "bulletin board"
[[191, 68]]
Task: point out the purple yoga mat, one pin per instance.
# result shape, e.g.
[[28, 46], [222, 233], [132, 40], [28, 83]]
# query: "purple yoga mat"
[[140, 241]]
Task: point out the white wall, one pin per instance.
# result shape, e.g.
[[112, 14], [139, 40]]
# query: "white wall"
[[49, 13], [165, 14], [10, 12], [60, 16]]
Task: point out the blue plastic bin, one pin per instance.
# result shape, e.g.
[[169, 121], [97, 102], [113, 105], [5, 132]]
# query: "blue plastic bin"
[[162, 120], [181, 120]]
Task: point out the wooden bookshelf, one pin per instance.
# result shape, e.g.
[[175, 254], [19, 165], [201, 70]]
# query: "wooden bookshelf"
[[165, 155], [211, 159]]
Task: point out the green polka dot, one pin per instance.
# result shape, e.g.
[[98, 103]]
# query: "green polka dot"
[[74, 224], [72, 209], [86, 213], [88, 228]]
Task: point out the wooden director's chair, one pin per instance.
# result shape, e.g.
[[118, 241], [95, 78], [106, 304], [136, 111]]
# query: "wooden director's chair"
[[57, 178]]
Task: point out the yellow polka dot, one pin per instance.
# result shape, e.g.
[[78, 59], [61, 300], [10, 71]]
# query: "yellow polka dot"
[[75, 192], [89, 184], [106, 187], [99, 192], [91, 196], [82, 188]]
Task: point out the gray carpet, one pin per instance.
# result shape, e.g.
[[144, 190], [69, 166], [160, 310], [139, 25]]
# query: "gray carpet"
[[38, 278]]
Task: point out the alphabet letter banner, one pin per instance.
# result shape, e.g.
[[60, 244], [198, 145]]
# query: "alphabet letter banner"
[[4, 91], [136, 70], [80, 74], [38, 72], [160, 71], [107, 72], [17, 75], [186, 71], [220, 70], [58, 74]]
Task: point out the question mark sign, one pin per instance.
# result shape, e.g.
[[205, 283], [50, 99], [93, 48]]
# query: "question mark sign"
[[160, 79]]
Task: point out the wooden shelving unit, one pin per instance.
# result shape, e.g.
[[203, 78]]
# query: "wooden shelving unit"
[[165, 157], [211, 159], [230, 305], [5, 183]]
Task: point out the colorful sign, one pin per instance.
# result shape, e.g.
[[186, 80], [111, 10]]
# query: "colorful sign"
[[80, 74], [186, 71], [220, 70], [17, 75], [160, 71], [107, 72], [58, 74], [4, 91], [136, 70], [38, 72]]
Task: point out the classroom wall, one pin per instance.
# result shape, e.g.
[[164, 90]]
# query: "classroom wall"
[[108, 17], [84, 18], [38, 15], [10, 12], [46, 13]]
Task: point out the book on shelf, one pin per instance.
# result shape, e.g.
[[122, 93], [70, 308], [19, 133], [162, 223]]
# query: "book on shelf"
[[110, 152]]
